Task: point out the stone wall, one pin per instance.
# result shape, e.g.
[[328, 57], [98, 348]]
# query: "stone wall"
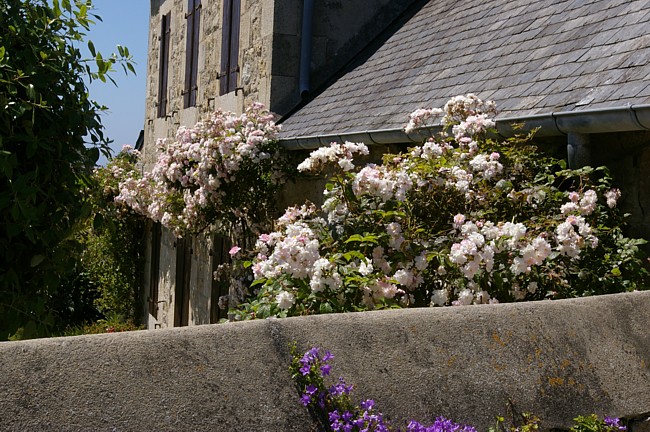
[[556, 359]]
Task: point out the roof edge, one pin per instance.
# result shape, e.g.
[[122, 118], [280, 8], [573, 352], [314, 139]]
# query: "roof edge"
[[603, 120]]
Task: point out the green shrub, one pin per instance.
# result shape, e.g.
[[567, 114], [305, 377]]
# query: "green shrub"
[[113, 242]]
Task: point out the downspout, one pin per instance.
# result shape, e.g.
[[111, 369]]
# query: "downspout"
[[578, 150], [305, 47]]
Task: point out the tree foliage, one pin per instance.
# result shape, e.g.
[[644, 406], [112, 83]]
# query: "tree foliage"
[[46, 116]]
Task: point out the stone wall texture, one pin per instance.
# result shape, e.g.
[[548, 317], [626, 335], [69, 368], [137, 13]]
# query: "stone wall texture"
[[269, 55], [556, 359]]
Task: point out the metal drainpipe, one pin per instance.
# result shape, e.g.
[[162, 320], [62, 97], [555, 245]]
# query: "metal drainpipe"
[[305, 47], [578, 150]]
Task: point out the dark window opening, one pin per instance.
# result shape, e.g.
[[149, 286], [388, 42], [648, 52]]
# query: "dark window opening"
[[219, 295], [154, 270], [163, 70], [229, 46], [183, 278], [192, 52]]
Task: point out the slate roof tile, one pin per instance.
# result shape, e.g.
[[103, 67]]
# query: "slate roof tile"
[[552, 55]]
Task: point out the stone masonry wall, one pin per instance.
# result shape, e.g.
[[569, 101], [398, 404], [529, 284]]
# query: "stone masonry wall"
[[254, 78]]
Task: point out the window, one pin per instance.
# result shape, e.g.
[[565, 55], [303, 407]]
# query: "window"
[[193, 17], [229, 46], [163, 71]]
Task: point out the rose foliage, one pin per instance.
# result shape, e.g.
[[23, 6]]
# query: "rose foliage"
[[461, 219]]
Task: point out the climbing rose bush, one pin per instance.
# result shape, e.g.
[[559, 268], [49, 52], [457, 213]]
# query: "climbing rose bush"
[[225, 170], [461, 219]]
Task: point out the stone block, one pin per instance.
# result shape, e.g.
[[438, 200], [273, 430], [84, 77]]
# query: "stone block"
[[288, 17], [286, 58]]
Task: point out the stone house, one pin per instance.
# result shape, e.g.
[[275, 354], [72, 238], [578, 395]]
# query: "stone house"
[[205, 54], [579, 70]]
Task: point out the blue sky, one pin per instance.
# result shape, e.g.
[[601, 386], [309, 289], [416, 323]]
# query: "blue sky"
[[125, 22]]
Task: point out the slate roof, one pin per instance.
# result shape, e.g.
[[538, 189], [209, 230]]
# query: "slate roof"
[[531, 57]]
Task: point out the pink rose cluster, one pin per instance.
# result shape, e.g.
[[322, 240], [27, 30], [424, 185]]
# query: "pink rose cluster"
[[459, 220], [199, 175]]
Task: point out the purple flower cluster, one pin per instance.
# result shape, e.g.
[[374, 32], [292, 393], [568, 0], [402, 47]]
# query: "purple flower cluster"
[[362, 421], [614, 423], [340, 388], [440, 425], [314, 364]]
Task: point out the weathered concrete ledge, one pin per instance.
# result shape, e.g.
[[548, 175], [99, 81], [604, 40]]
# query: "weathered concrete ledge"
[[555, 359]]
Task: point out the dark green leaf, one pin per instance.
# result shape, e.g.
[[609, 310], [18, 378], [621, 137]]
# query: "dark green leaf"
[[91, 48], [326, 308], [36, 260]]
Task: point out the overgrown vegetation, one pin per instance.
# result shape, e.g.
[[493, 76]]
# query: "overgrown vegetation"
[[113, 242], [112, 324], [45, 161], [462, 219]]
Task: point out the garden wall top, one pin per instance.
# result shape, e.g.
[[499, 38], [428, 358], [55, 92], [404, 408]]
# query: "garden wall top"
[[556, 359]]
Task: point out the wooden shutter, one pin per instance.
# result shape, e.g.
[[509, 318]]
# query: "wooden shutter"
[[229, 46], [192, 52], [163, 71], [183, 280], [154, 269], [225, 47], [220, 255], [233, 54], [195, 51]]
